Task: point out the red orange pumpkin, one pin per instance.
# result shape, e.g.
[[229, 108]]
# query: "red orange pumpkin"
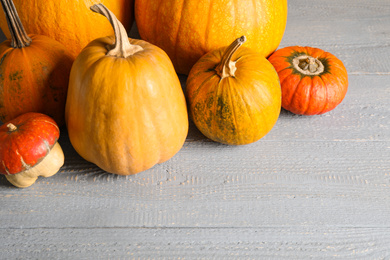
[[313, 81], [29, 148]]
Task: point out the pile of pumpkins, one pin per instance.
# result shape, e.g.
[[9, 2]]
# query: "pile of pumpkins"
[[121, 99]]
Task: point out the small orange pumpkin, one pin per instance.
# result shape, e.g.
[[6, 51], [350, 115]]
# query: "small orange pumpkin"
[[234, 95], [188, 29], [313, 81], [34, 72], [126, 110]]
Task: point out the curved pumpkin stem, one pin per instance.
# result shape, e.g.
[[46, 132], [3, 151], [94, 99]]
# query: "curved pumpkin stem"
[[122, 48], [19, 36], [227, 67]]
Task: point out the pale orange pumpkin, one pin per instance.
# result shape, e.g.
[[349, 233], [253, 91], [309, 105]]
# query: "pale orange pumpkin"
[[234, 95], [34, 72], [125, 110], [188, 29], [69, 22]]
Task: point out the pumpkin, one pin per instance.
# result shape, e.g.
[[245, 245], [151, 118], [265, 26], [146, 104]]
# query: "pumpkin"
[[234, 95], [188, 29], [29, 148], [69, 22], [313, 81], [34, 72], [126, 110]]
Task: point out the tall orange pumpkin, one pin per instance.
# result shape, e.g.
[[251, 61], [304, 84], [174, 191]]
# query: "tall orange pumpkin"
[[34, 72], [188, 29], [126, 110], [69, 22]]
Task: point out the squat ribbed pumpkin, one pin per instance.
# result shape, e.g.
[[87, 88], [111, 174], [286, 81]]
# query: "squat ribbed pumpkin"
[[188, 29], [234, 95], [125, 110], [313, 81]]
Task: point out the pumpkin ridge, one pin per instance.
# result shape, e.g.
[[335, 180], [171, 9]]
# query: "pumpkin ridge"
[[308, 97], [179, 26], [265, 122], [207, 32], [214, 110], [326, 96], [295, 92], [248, 101], [195, 93], [236, 130], [323, 110], [241, 96]]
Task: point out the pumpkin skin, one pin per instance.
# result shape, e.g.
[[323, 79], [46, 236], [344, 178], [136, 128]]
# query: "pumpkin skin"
[[29, 149], [69, 22], [35, 76], [237, 108], [313, 81], [125, 114], [188, 29]]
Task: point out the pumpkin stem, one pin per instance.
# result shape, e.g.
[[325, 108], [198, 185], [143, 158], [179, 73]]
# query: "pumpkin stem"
[[308, 65], [122, 48], [227, 67], [19, 36], [11, 127]]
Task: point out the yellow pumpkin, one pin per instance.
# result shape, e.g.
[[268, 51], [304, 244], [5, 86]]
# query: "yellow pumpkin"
[[125, 109], [69, 22], [188, 29], [234, 95]]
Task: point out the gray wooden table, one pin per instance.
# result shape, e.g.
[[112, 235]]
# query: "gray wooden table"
[[315, 187]]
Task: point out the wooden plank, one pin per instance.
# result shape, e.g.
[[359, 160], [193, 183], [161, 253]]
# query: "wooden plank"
[[338, 22], [355, 31], [259, 243], [273, 183]]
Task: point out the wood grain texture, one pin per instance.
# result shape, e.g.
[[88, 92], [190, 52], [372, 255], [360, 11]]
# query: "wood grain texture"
[[198, 243], [272, 183], [314, 188]]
